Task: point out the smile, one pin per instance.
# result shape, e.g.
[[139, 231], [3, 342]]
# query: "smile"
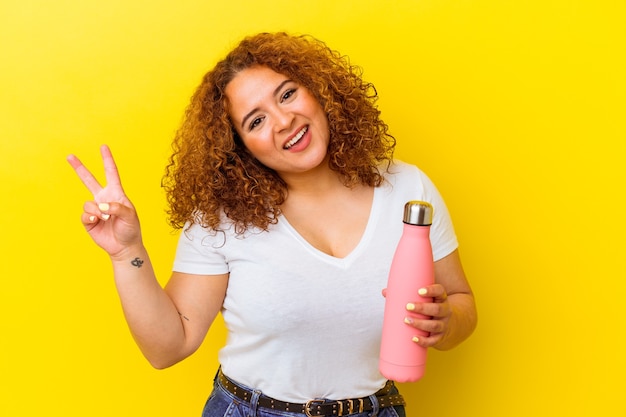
[[296, 138]]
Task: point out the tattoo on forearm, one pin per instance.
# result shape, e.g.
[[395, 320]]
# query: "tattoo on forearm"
[[137, 262], [181, 314]]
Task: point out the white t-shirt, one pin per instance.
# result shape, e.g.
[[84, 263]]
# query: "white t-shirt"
[[303, 324]]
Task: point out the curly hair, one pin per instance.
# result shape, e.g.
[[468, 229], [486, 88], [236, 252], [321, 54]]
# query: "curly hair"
[[211, 174]]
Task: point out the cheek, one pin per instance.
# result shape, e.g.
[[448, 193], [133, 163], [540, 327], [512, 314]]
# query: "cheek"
[[320, 113], [257, 145]]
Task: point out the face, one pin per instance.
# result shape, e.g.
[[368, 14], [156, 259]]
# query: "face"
[[280, 122]]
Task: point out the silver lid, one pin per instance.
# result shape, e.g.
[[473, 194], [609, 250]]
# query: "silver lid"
[[418, 213]]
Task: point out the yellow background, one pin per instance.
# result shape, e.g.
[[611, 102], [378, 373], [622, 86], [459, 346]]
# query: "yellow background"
[[516, 109]]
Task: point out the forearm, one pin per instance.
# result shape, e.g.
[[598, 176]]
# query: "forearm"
[[150, 313], [462, 322]]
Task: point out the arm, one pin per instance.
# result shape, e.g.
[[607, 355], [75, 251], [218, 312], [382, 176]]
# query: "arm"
[[170, 324], [453, 310], [167, 324]]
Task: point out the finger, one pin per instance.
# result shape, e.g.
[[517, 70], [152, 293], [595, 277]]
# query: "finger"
[[110, 167], [89, 220], [119, 210], [421, 336], [428, 340], [427, 333], [426, 326], [436, 292], [91, 216], [429, 309], [85, 175], [91, 208]]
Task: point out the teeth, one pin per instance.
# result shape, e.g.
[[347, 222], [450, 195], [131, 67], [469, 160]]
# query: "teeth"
[[296, 138]]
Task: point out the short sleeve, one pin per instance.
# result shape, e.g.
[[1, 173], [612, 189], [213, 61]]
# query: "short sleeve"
[[198, 252], [442, 235]]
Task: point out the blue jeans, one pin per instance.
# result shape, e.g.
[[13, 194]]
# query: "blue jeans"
[[222, 403]]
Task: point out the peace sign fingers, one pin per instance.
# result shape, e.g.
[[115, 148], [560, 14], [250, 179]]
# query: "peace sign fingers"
[[112, 191], [110, 219]]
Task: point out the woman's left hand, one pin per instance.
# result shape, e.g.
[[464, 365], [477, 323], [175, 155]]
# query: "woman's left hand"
[[437, 312], [450, 316]]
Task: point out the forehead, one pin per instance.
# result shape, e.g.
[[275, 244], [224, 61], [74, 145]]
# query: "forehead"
[[253, 82]]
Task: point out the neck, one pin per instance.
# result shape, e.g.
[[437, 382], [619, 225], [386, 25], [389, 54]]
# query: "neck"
[[320, 180]]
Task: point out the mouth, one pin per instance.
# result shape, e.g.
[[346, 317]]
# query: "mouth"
[[296, 138]]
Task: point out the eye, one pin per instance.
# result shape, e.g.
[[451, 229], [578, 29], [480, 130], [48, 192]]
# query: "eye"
[[287, 94], [255, 122]]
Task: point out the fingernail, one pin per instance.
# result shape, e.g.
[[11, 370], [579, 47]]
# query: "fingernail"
[[410, 306], [422, 291], [92, 219], [106, 216], [103, 206], [415, 339], [408, 320]]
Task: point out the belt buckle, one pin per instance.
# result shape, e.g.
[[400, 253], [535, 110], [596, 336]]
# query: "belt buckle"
[[307, 407]]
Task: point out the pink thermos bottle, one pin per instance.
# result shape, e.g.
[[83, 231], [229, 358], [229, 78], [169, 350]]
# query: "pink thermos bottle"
[[412, 268]]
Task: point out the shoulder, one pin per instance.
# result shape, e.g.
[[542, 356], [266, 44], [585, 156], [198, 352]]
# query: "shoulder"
[[400, 172], [399, 167]]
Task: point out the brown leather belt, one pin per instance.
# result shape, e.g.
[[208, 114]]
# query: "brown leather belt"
[[317, 407]]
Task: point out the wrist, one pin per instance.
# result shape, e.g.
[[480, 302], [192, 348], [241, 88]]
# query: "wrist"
[[461, 322], [134, 255]]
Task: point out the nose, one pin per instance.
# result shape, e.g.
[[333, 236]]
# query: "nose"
[[283, 119]]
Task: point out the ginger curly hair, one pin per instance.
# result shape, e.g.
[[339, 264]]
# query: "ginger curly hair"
[[211, 174]]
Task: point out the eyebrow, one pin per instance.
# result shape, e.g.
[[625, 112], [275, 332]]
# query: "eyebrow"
[[276, 91]]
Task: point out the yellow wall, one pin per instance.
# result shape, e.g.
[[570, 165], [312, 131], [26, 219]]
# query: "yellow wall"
[[515, 108]]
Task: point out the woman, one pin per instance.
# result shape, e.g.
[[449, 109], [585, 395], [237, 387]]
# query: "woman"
[[283, 182]]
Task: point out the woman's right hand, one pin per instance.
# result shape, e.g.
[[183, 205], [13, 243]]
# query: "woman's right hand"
[[110, 219]]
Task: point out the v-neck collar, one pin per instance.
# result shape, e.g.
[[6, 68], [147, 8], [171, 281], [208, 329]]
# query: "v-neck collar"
[[346, 261]]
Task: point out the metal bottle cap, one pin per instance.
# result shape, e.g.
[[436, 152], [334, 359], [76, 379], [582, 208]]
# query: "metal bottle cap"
[[418, 213]]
